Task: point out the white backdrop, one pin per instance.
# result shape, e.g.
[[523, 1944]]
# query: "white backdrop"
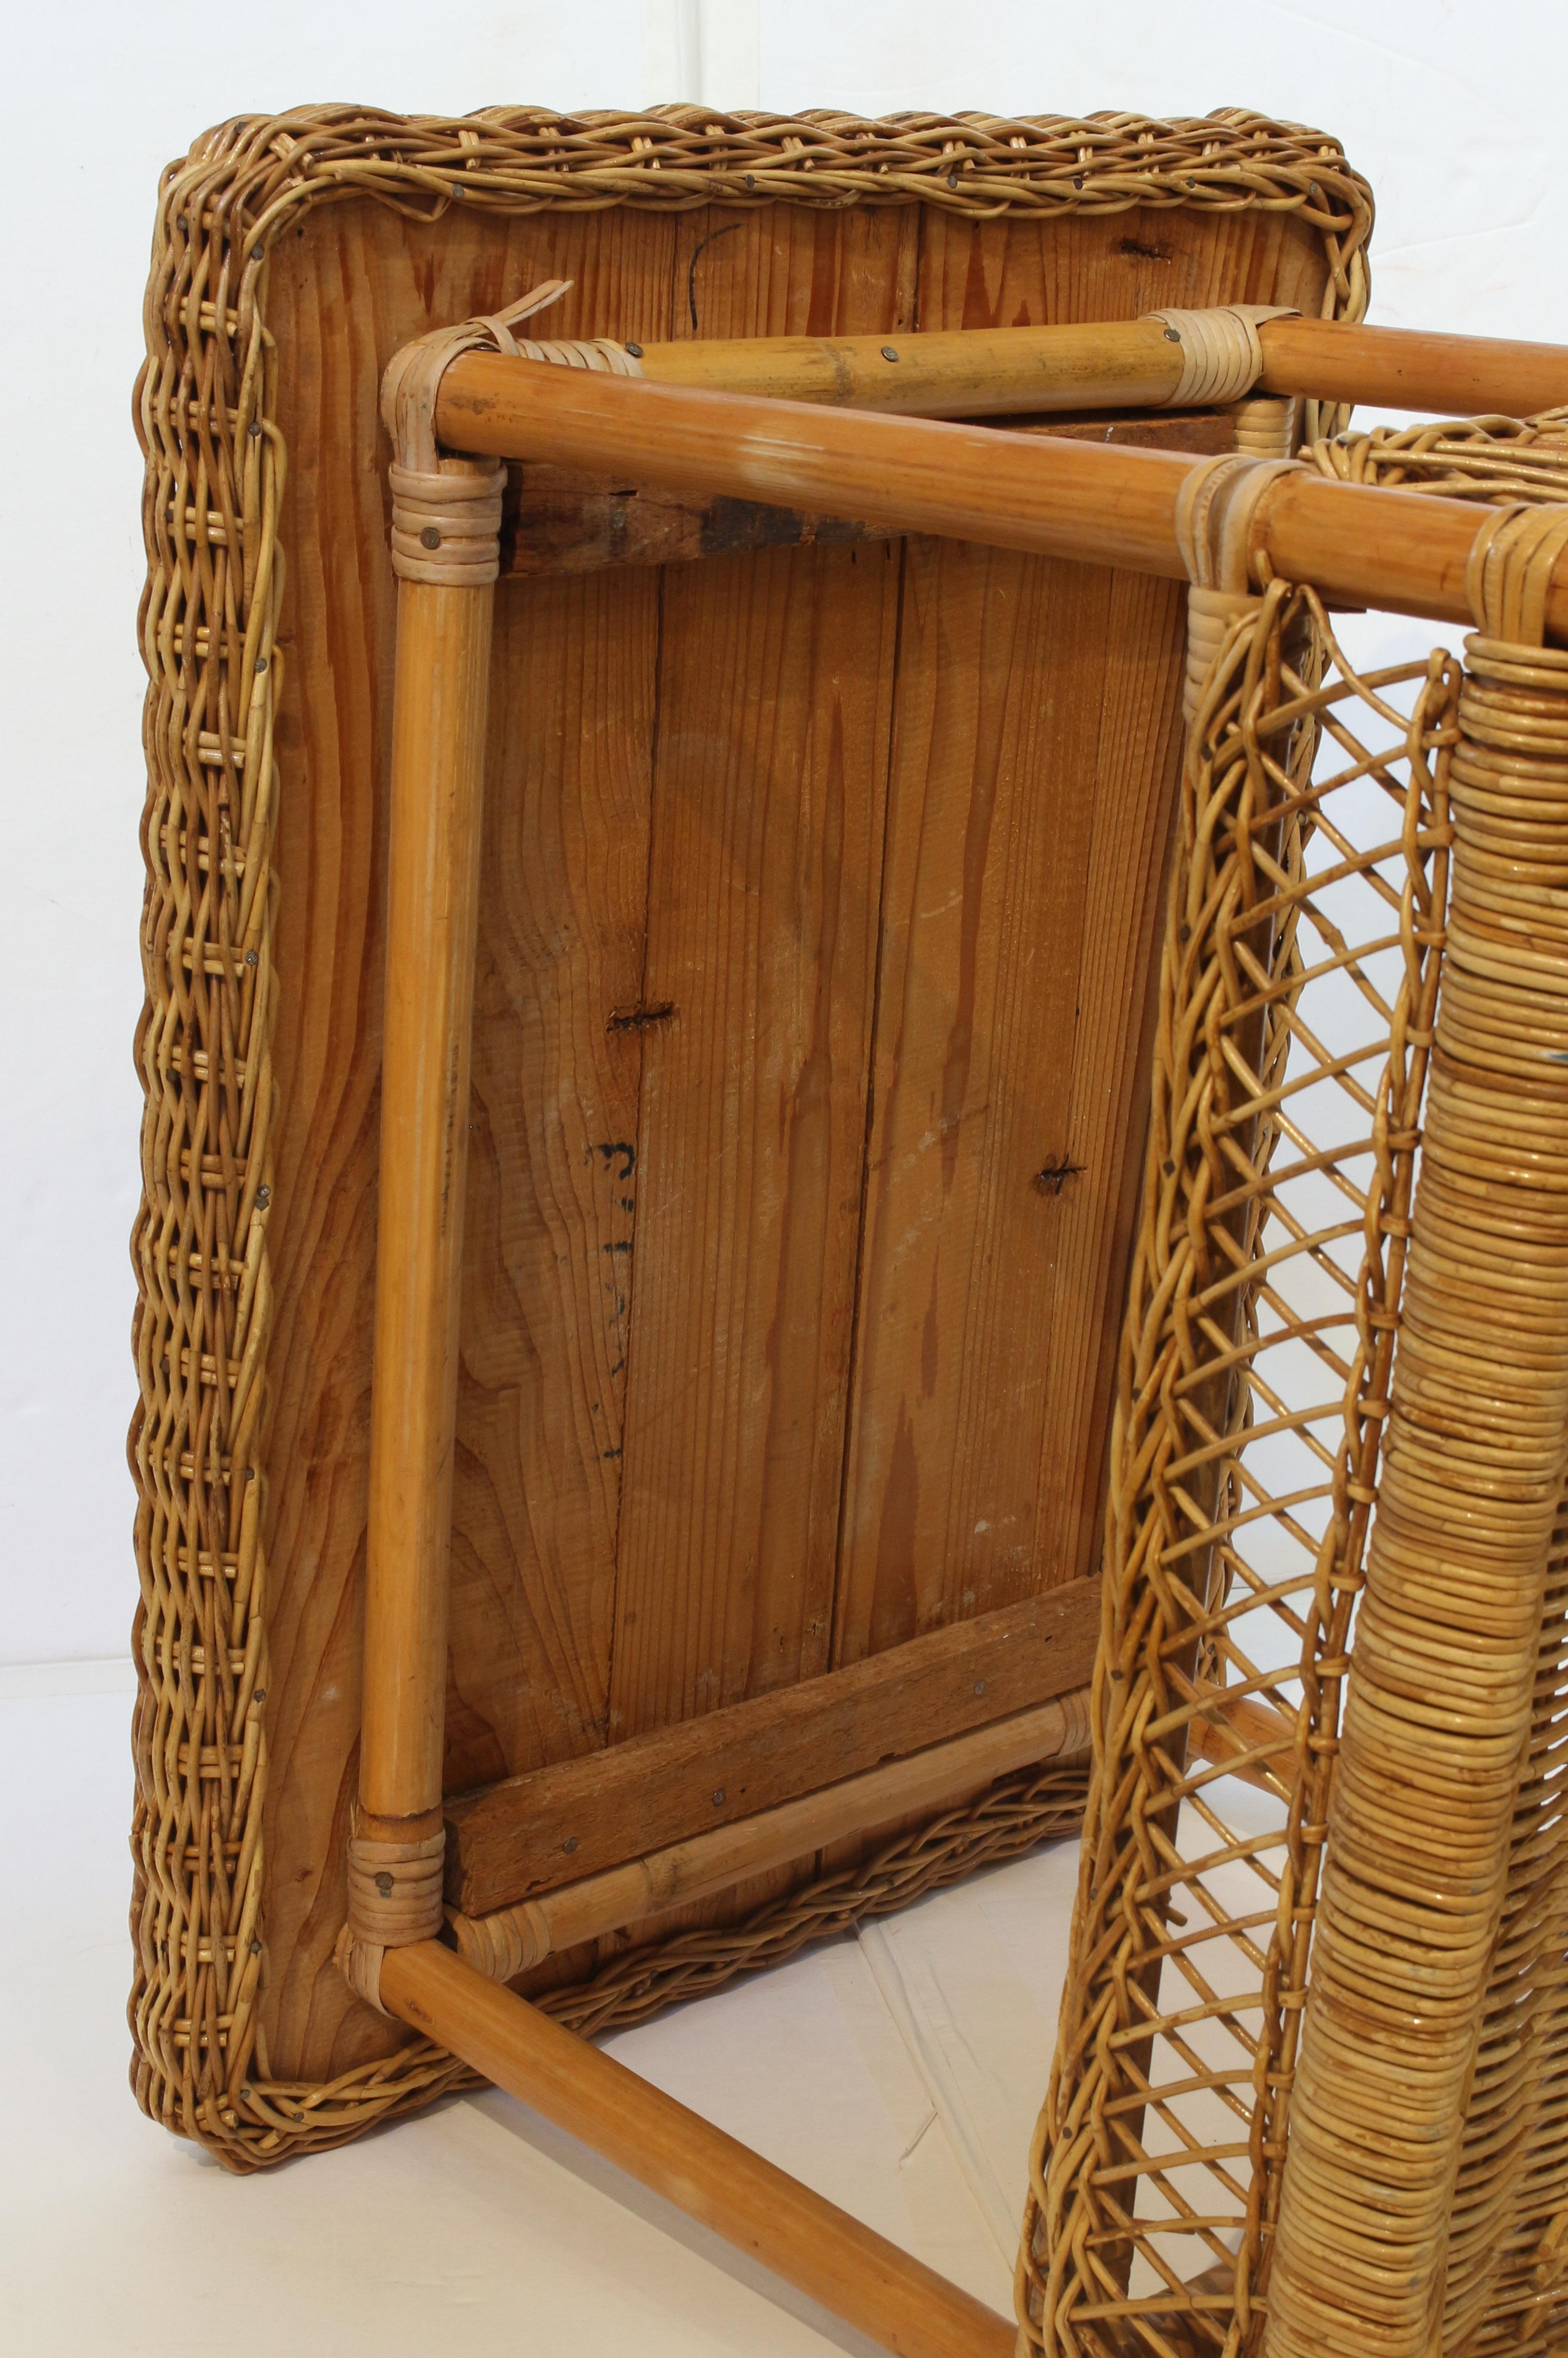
[[1453, 109]]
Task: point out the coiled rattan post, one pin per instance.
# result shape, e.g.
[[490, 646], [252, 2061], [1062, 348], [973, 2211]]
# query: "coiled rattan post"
[[1387, 2117], [1267, 426]]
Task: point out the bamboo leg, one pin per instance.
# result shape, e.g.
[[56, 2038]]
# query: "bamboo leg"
[[444, 544], [438, 718], [867, 2281]]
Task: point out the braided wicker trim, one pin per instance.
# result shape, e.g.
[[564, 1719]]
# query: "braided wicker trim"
[[1492, 460], [206, 407], [1016, 1814], [258, 169]]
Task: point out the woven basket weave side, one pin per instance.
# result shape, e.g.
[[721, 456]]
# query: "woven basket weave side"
[[1310, 860], [206, 413], [1419, 1856]]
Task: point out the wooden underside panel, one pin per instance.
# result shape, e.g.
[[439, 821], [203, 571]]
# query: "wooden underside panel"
[[1028, 274], [716, 959], [552, 1171], [775, 698], [1037, 740]]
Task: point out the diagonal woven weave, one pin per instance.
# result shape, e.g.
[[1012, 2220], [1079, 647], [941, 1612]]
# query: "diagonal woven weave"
[[1368, 1953]]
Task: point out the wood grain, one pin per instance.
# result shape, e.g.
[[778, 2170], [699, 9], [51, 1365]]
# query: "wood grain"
[[1023, 274], [553, 1178], [514, 1940], [775, 698], [561, 1824], [1037, 753]]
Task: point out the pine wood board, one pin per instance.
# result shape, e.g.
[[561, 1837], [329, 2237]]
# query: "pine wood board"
[[578, 921], [555, 1825], [776, 704], [1037, 747]]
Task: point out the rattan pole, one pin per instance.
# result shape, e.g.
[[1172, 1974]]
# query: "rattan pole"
[[445, 528], [972, 373], [509, 1939], [855, 2273], [1403, 368], [1121, 363], [1404, 554], [438, 754], [1250, 1738]]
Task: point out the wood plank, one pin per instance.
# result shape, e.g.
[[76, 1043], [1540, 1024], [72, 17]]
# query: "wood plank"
[[1033, 784], [344, 295], [535, 1513], [553, 1179], [533, 1834], [563, 915], [1029, 273], [775, 692], [775, 697], [706, 1866], [1037, 749]]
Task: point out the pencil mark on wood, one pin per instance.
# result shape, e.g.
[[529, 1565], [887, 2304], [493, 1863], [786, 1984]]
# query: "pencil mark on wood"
[[711, 239]]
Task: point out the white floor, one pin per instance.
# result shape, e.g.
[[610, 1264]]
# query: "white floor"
[[899, 2074]]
